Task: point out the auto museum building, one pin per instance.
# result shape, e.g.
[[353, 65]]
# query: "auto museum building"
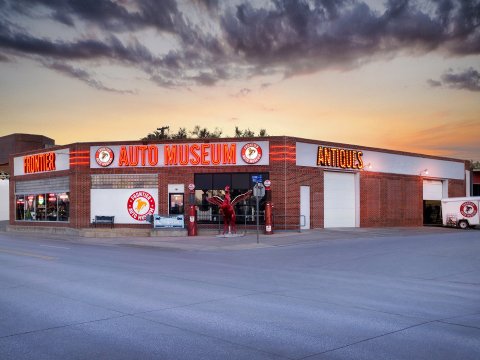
[[314, 184]]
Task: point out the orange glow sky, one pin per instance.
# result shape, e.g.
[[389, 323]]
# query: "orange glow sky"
[[401, 79]]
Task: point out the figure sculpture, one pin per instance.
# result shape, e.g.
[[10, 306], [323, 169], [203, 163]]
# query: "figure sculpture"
[[227, 207]]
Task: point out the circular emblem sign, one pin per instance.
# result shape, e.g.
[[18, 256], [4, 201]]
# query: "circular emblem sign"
[[104, 156], [251, 153], [140, 204], [191, 187], [468, 209], [267, 183]]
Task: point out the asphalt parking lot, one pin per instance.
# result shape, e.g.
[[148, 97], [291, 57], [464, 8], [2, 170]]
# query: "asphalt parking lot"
[[392, 293]]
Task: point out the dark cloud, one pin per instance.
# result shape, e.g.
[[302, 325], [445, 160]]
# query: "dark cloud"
[[468, 79], [241, 40], [434, 83]]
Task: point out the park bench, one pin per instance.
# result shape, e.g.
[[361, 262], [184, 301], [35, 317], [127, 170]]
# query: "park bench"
[[103, 219]]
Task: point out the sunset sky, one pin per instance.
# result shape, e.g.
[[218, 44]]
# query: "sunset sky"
[[399, 74]]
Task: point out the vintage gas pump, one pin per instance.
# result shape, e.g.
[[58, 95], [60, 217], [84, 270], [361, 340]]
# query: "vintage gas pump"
[[268, 209], [192, 213]]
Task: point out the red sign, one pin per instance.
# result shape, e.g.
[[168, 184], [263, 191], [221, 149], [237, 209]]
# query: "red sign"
[[39, 163], [134, 155], [251, 153], [468, 209], [104, 156], [200, 154], [140, 204]]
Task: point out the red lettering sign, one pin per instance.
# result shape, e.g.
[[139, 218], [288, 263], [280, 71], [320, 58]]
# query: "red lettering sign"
[[39, 163], [204, 154]]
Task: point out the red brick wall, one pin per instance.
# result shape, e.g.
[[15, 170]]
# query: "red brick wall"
[[390, 200], [385, 199], [456, 188]]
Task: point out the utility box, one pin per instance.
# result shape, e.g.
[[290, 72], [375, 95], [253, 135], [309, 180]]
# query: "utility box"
[[462, 212]]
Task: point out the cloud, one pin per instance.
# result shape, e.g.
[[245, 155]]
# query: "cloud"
[[84, 76], [468, 79], [243, 93], [442, 139], [208, 41]]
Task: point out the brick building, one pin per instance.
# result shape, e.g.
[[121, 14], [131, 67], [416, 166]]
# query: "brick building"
[[315, 184], [13, 144]]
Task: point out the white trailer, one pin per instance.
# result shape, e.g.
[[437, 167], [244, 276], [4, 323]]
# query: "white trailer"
[[461, 211]]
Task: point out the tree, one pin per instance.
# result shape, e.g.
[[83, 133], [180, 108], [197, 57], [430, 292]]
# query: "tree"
[[248, 132], [204, 133], [474, 165], [198, 133], [181, 134], [263, 132], [158, 134]]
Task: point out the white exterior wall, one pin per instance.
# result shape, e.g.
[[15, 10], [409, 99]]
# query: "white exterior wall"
[[4, 200], [113, 202], [390, 163], [62, 161]]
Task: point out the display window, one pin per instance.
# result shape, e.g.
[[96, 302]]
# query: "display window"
[[209, 185], [42, 207], [20, 208]]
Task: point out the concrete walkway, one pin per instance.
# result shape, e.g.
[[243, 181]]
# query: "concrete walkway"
[[244, 241]]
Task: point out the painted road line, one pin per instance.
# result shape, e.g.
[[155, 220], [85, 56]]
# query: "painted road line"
[[28, 254]]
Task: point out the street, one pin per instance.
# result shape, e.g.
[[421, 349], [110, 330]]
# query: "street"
[[409, 293]]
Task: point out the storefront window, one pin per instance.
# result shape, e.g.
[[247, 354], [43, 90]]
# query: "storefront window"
[[63, 207], [52, 207], [208, 185], [30, 208], [42, 207], [20, 207]]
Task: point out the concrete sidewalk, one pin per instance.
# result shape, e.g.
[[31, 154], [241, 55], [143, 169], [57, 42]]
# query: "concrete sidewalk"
[[243, 241]]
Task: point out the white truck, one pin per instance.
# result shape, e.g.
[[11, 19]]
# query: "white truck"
[[461, 211]]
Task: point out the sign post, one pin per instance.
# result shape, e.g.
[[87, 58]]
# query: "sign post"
[[258, 193]]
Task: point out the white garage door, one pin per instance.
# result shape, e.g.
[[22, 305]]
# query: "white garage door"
[[339, 199], [432, 190]]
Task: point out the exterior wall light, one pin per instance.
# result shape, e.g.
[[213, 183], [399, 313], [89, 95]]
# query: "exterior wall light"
[[367, 167]]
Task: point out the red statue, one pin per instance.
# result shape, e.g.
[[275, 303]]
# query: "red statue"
[[226, 206]]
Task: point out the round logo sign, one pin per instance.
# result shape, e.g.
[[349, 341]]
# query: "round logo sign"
[[191, 187], [104, 156], [140, 204], [251, 153], [267, 183], [468, 209]]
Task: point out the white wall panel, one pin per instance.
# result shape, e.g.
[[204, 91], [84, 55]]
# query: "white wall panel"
[[114, 202], [384, 162], [4, 200]]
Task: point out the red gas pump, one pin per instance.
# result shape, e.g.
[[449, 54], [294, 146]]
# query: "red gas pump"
[[192, 213], [268, 209]]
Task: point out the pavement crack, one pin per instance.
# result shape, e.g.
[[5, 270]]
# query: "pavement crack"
[[216, 338], [368, 339], [63, 326]]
